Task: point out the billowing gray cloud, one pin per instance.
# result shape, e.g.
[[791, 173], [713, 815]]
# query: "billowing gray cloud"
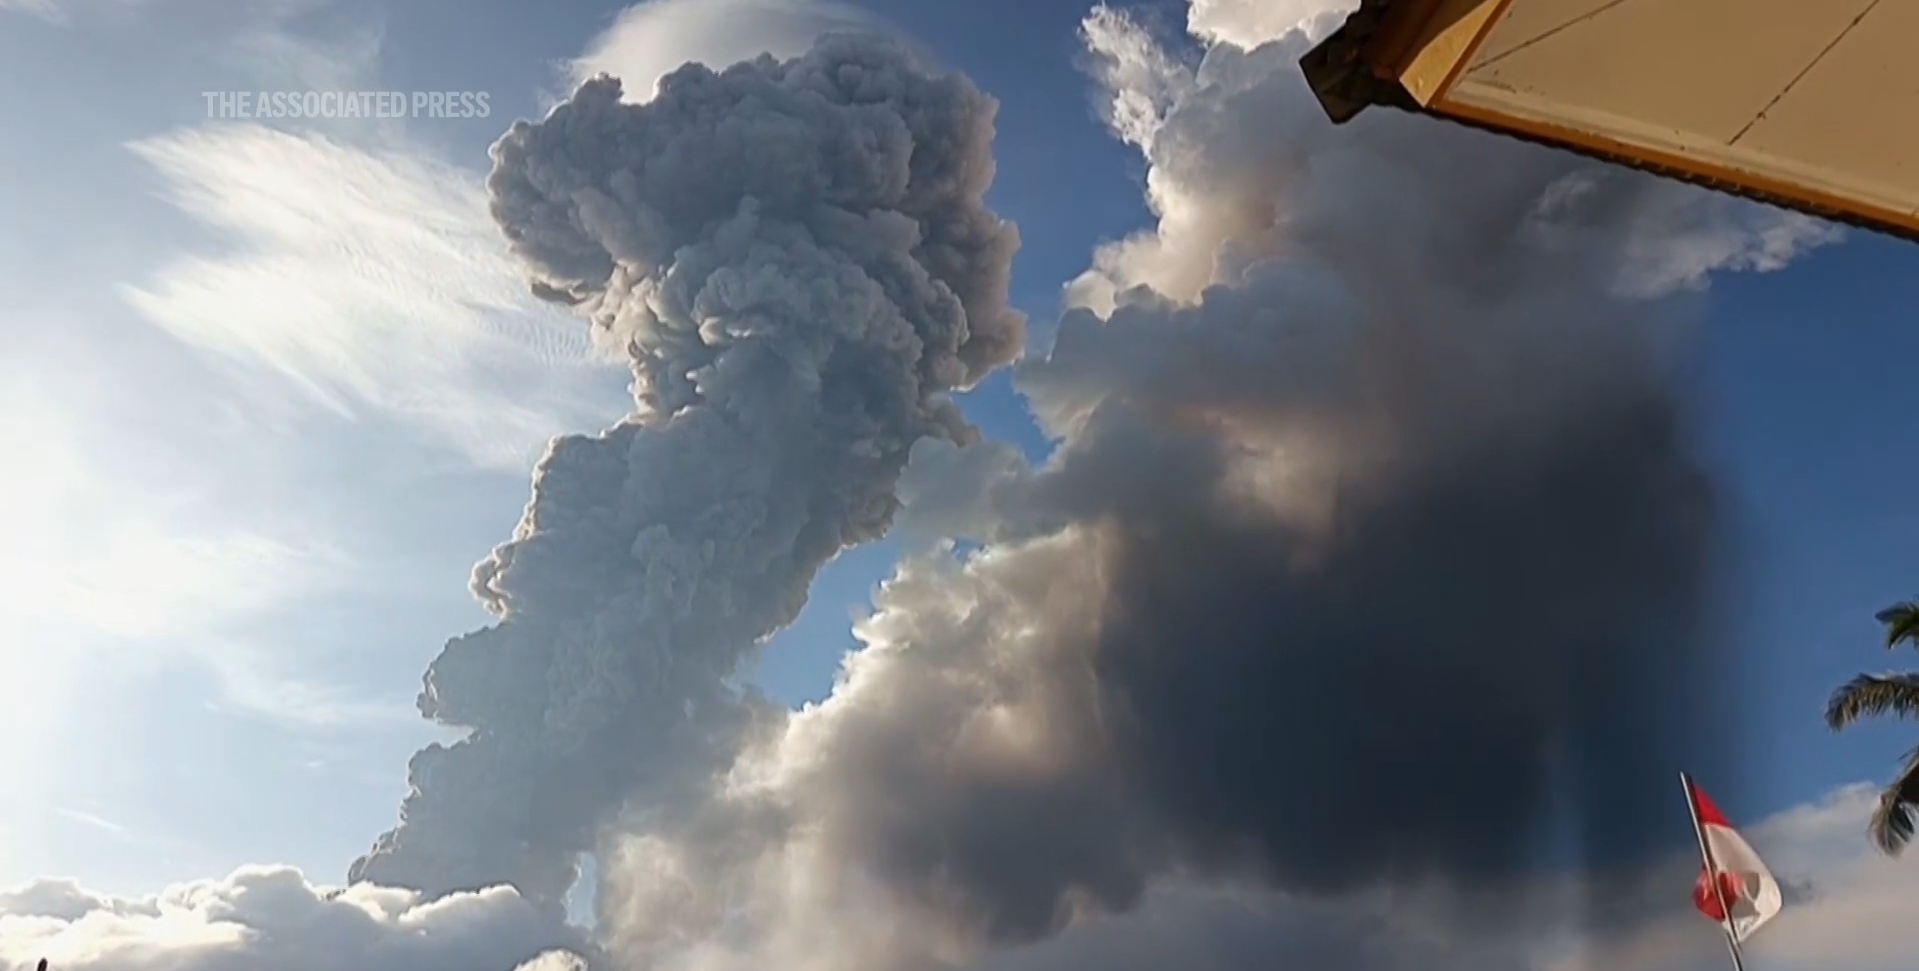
[[796, 258], [1376, 553]]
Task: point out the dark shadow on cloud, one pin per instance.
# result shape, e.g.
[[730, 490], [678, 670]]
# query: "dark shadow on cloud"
[[1402, 696], [1196, 929], [1379, 566]]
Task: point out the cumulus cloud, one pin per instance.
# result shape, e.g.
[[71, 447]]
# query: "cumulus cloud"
[[649, 40], [366, 284], [271, 917], [1249, 23]]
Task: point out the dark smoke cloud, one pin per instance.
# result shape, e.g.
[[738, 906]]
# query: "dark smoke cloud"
[[1208, 930], [797, 260], [1376, 552]]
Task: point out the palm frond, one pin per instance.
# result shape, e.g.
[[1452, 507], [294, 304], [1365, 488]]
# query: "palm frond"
[[1872, 695], [1901, 621], [1893, 820]]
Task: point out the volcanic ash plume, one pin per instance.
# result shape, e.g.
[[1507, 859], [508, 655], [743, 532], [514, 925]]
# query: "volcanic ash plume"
[[1375, 554], [798, 262]]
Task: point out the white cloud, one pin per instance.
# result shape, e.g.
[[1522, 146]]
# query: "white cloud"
[[651, 39], [271, 917], [1250, 23], [368, 283], [89, 819], [252, 684], [1229, 141]]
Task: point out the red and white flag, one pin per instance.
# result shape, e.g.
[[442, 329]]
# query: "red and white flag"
[[1734, 889]]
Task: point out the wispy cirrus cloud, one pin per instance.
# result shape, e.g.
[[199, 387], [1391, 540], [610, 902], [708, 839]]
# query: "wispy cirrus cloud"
[[251, 685], [364, 284]]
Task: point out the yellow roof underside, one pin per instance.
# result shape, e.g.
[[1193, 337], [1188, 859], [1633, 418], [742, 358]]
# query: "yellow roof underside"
[[1813, 103]]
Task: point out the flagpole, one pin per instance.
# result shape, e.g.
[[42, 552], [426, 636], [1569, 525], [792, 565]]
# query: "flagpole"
[[1712, 873]]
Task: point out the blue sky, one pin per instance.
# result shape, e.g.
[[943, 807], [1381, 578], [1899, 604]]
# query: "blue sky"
[[246, 494], [1812, 423]]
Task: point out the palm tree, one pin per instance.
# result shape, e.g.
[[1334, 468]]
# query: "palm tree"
[[1872, 695]]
